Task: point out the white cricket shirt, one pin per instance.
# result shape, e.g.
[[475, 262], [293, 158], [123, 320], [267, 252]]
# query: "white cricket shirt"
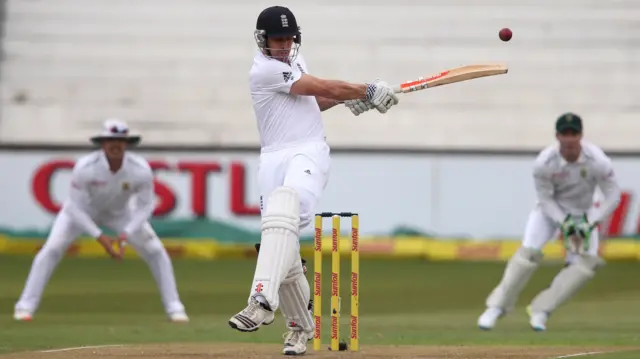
[[568, 188], [96, 193], [283, 119]]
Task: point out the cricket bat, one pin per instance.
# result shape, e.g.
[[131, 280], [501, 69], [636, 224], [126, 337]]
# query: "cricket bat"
[[451, 76]]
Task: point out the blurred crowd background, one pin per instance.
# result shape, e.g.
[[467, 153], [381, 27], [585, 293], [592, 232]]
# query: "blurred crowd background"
[[448, 163]]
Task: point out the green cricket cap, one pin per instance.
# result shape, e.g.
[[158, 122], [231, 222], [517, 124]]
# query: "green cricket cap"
[[569, 121]]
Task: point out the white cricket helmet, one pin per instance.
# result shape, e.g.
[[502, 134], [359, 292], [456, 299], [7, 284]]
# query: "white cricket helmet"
[[115, 128]]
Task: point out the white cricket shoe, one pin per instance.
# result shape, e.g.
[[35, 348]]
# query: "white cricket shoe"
[[269, 320], [295, 341], [22, 315], [489, 318], [253, 316], [537, 320], [179, 317]]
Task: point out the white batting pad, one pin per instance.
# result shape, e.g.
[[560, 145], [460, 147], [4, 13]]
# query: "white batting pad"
[[566, 284], [295, 271], [294, 302], [279, 246], [516, 276]]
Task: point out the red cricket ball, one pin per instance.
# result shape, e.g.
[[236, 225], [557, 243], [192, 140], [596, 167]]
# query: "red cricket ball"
[[505, 34]]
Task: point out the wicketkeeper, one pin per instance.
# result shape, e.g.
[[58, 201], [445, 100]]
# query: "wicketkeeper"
[[566, 176]]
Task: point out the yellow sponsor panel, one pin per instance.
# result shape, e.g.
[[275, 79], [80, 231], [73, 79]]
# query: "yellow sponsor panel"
[[410, 247], [22, 246], [488, 250], [438, 250], [179, 248], [433, 249], [90, 248], [234, 251], [508, 249], [620, 250], [554, 250], [381, 247]]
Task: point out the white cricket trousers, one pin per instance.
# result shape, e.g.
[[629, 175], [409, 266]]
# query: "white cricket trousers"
[[540, 229], [305, 168], [64, 232]]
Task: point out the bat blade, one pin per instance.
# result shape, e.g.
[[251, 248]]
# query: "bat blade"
[[454, 75]]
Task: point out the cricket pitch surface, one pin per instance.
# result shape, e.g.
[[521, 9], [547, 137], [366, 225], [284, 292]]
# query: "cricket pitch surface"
[[249, 351]]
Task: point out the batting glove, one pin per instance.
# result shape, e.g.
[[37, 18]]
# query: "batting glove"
[[358, 107], [381, 96]]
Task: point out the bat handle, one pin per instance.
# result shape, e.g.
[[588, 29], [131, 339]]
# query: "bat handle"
[[396, 89]]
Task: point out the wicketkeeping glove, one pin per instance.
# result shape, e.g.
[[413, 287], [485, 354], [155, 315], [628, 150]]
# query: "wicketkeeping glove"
[[568, 228], [358, 107], [584, 230], [381, 96]]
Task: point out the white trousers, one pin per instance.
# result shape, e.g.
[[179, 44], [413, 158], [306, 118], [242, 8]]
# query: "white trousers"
[[304, 168], [540, 229], [64, 232]]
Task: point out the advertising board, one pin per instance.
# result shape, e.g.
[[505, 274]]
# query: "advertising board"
[[481, 197]]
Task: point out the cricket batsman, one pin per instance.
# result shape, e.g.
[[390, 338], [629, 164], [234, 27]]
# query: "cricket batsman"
[[566, 176], [110, 187], [293, 168]]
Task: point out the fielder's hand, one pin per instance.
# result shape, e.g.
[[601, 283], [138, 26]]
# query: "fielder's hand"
[[107, 244], [381, 96], [358, 107], [122, 244]]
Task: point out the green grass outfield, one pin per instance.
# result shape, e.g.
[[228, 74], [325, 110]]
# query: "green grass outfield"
[[98, 301]]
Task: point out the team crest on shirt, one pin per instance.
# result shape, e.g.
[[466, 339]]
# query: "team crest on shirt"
[[583, 172], [287, 76], [125, 186]]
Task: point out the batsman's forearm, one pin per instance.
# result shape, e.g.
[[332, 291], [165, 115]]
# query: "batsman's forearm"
[[326, 103], [342, 91]]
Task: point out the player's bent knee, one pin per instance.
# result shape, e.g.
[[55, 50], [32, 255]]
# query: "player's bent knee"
[[566, 284], [305, 219], [296, 271], [147, 240], [51, 252], [528, 254], [283, 210], [588, 263], [293, 276], [153, 247], [308, 201]]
